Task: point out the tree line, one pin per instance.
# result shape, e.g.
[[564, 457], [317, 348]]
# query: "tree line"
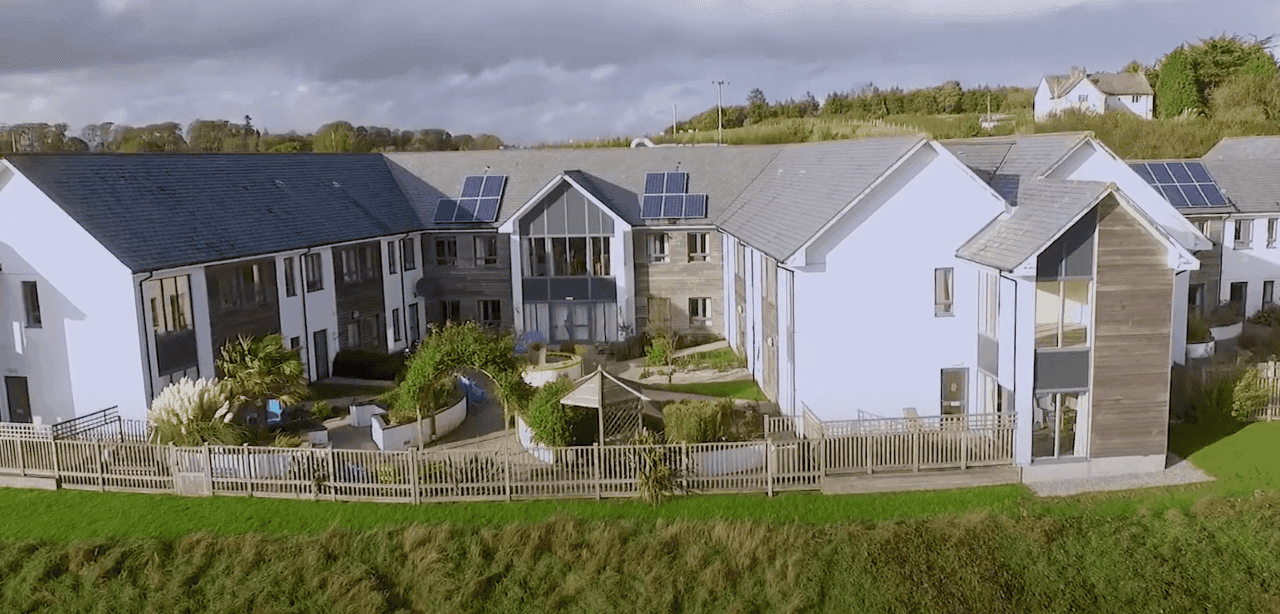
[[1223, 77], [223, 136]]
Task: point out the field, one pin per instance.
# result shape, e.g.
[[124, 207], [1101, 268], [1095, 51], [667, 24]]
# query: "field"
[[993, 549]]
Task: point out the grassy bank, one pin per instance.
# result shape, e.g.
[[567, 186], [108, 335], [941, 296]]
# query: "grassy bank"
[[1213, 557]]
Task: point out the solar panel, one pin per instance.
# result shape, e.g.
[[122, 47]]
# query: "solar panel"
[[1183, 184], [487, 210], [652, 206], [493, 186], [466, 210], [654, 183], [471, 186], [445, 210], [695, 205], [673, 205], [677, 183]]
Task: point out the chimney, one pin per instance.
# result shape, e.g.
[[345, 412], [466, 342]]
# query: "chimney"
[[1077, 71]]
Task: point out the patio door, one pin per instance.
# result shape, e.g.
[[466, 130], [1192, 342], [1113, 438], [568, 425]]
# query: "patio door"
[[19, 399], [1058, 424], [571, 322], [414, 332]]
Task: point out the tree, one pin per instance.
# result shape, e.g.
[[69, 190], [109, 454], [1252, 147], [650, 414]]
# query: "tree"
[[1247, 97], [757, 106], [258, 369], [948, 96], [339, 136], [756, 97], [1178, 92], [1215, 60]]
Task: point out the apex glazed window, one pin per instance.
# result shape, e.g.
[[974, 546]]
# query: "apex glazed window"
[[566, 256]]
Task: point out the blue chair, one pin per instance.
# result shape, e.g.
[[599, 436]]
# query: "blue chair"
[[273, 412]]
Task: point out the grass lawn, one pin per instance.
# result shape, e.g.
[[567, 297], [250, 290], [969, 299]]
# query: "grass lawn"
[[322, 390], [737, 389]]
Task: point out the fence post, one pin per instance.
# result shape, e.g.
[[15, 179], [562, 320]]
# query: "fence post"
[[21, 447], [867, 440], [333, 474], [506, 470], [915, 451], [964, 448], [413, 474], [57, 467], [208, 468], [102, 478], [595, 469], [685, 468], [822, 460], [768, 463]]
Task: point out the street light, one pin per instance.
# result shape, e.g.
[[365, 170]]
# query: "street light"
[[720, 110]]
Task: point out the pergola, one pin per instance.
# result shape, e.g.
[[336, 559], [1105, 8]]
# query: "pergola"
[[618, 405]]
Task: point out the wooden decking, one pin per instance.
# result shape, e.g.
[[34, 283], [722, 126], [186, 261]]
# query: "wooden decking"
[[943, 479]]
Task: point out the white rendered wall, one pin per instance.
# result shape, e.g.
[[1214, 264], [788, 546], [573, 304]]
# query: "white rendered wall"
[[1141, 108], [321, 310], [867, 341], [1255, 264], [291, 324], [87, 354], [1046, 105]]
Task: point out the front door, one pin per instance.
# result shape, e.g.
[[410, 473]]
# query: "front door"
[[571, 322], [320, 349], [414, 333], [19, 399], [955, 383]]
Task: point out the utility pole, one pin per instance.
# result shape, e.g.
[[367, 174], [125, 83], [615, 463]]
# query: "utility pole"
[[720, 110]]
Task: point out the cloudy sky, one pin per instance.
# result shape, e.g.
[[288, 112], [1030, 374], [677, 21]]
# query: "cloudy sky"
[[541, 70]]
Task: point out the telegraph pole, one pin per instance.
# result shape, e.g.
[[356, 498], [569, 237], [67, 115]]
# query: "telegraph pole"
[[720, 110]]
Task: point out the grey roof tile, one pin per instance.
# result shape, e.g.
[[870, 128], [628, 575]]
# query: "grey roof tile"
[[805, 187], [1045, 208], [166, 210], [1247, 169]]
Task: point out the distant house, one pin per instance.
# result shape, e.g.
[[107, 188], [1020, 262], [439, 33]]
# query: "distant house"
[[1098, 93]]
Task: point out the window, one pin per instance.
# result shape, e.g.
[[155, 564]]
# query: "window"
[[1244, 233], [989, 303], [566, 256], [407, 254], [1195, 298], [658, 247], [1062, 313], [353, 335], [391, 257], [348, 265], [600, 256], [490, 313], [31, 301], [414, 334], [240, 287], [313, 268], [954, 391], [395, 324], [1268, 293], [943, 290], [1136, 98], [1083, 98], [446, 251], [171, 308], [370, 268], [1203, 227], [450, 311], [698, 247], [1271, 231], [295, 343], [486, 251], [290, 282], [1054, 418], [700, 312]]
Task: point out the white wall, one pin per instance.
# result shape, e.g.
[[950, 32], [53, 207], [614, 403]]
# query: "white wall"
[[321, 310], [87, 355], [1255, 264], [867, 341], [1141, 107], [1046, 105]]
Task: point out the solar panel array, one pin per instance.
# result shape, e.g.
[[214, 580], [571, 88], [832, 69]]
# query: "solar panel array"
[[666, 196], [1184, 184], [479, 202]]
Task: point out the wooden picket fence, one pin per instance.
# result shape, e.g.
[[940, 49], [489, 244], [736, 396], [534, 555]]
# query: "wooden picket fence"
[[798, 453], [1270, 372]]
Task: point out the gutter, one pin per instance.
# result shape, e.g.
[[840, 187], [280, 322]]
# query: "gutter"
[[147, 339]]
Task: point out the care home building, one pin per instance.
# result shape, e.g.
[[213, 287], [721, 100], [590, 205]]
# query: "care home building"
[[1032, 276]]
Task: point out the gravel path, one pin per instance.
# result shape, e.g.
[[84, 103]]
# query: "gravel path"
[[1178, 471]]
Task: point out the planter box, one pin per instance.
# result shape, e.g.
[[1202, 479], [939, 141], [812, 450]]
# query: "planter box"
[[540, 375], [1227, 332], [318, 437], [539, 451], [362, 415], [404, 436], [1200, 350], [732, 460]]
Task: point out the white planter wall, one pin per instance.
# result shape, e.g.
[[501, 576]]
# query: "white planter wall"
[[405, 436], [541, 376]]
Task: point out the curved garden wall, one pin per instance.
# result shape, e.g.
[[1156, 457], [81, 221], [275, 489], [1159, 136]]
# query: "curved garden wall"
[[569, 366], [405, 436]]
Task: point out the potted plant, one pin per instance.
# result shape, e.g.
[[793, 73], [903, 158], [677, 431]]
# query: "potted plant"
[[1199, 338]]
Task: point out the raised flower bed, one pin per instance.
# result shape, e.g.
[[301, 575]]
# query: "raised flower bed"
[[557, 365], [416, 433]]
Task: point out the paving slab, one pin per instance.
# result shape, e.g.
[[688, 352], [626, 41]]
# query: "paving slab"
[[1178, 471]]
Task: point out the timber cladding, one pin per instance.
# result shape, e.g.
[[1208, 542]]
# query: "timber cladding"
[[1132, 342], [358, 297], [684, 274], [459, 267], [769, 320]]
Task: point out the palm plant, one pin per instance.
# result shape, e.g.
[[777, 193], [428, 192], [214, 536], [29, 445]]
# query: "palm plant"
[[257, 369]]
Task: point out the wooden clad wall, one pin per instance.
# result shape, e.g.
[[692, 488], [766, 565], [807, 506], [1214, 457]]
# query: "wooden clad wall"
[[361, 302], [680, 279], [467, 281], [769, 318], [238, 315], [1132, 340]]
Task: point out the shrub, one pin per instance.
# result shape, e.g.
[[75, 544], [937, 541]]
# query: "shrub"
[[1198, 330], [1267, 317], [699, 421], [1250, 395], [443, 394], [363, 364], [191, 412], [324, 410], [660, 350], [656, 475], [568, 347], [456, 346], [1226, 314], [555, 424]]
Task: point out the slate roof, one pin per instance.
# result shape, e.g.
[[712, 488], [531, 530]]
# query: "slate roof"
[[805, 187], [1110, 83], [166, 210], [615, 175], [1045, 208], [1246, 170], [1007, 162]]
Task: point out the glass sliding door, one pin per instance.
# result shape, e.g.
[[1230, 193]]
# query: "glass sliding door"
[[1057, 425]]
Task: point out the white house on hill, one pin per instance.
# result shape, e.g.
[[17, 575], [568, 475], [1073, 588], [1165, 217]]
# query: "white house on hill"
[[1097, 93]]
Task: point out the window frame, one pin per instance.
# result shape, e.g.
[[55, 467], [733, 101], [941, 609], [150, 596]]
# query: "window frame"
[[450, 310], [290, 281], [658, 248], [1268, 293], [407, 261], [1242, 234], [492, 308], [313, 271], [395, 325], [446, 251], [482, 256], [1082, 98], [391, 257], [1271, 231], [699, 246], [700, 311], [944, 282]]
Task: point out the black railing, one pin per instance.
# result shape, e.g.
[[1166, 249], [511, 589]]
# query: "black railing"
[[101, 424]]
